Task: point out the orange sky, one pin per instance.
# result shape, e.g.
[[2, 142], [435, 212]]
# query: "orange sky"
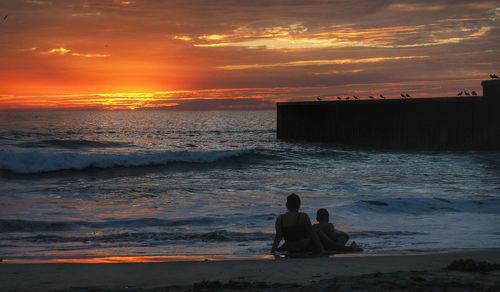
[[196, 54]]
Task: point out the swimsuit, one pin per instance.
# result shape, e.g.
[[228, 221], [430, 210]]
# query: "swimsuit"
[[294, 232]]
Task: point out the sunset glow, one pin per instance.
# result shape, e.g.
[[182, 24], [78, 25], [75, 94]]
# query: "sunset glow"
[[77, 54]]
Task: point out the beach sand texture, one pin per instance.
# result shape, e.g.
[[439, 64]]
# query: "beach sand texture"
[[422, 272]]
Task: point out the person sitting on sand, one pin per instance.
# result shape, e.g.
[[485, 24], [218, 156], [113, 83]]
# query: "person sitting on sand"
[[296, 228], [330, 238]]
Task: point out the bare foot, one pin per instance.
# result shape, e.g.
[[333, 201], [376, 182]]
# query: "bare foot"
[[355, 247]]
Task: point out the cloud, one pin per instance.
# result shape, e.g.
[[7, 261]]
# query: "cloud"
[[64, 52], [314, 46], [416, 7], [28, 49], [58, 51], [90, 55], [39, 2], [341, 37], [321, 62]]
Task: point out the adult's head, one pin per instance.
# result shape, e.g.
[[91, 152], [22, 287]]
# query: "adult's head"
[[322, 215], [293, 202]]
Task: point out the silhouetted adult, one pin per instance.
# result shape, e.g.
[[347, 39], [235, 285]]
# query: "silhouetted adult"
[[295, 227]]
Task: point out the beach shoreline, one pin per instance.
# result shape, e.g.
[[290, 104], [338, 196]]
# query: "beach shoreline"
[[298, 272]]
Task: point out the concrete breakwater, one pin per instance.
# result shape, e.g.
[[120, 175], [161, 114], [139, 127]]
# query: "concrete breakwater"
[[437, 123]]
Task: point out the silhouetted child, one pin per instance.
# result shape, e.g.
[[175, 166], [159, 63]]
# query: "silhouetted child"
[[331, 238]]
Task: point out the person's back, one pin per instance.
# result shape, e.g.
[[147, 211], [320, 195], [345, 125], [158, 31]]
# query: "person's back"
[[296, 228], [327, 228], [331, 238]]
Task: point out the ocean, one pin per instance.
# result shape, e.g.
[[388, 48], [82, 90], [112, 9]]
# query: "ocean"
[[84, 184]]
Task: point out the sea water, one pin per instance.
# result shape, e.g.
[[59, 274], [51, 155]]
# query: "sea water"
[[93, 183]]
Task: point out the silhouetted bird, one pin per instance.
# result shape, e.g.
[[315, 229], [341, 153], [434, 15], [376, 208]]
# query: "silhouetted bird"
[[493, 76], [355, 97], [474, 93], [5, 17], [348, 97], [460, 93], [403, 96], [339, 98], [466, 93], [407, 95], [381, 96], [318, 98], [371, 96]]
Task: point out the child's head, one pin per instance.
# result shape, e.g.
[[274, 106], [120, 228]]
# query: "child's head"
[[322, 215]]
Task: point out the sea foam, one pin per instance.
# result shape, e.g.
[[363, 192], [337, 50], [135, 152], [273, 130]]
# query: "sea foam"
[[36, 161]]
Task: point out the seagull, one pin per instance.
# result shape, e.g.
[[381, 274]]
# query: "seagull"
[[355, 97], [407, 95], [348, 97], [5, 17], [474, 93], [381, 96], [494, 76], [371, 96], [339, 98], [402, 95], [460, 93], [318, 98], [466, 93]]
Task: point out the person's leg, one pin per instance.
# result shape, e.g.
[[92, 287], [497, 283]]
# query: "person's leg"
[[326, 241], [298, 246], [282, 247], [341, 237]]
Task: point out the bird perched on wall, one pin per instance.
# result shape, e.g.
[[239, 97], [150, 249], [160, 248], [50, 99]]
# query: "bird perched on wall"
[[474, 93], [493, 76], [381, 96], [407, 95], [403, 96], [348, 97], [355, 97], [339, 98], [318, 98], [466, 93], [460, 93], [371, 97]]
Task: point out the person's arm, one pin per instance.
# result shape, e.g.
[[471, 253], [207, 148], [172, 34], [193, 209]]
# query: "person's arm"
[[331, 231], [279, 235], [312, 233]]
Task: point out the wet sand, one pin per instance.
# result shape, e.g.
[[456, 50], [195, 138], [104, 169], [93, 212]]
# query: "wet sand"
[[343, 273]]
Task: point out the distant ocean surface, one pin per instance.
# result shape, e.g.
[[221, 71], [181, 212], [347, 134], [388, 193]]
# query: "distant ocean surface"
[[91, 184]]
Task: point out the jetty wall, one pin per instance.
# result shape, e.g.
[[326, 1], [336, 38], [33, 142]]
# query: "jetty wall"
[[438, 123]]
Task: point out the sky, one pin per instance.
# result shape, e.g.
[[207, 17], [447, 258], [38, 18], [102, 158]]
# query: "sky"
[[236, 54]]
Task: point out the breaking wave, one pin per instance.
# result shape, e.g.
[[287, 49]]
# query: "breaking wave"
[[30, 162], [213, 236], [16, 225], [428, 205], [72, 144]]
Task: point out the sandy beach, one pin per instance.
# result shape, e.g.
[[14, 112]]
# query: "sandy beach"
[[344, 273]]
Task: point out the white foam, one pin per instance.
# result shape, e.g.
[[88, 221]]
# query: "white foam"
[[33, 161]]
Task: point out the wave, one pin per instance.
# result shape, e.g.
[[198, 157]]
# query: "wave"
[[72, 144], [46, 226], [31, 162], [384, 233], [213, 236], [428, 205], [7, 226]]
